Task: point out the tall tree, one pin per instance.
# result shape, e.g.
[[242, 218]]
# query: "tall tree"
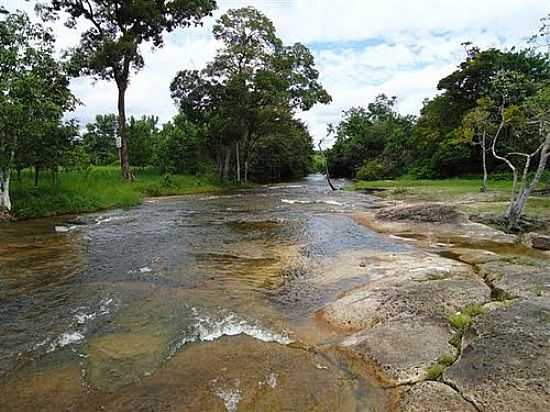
[[35, 94], [253, 82], [110, 48]]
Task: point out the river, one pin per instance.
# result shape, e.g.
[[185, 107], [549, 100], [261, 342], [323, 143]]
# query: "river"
[[183, 304]]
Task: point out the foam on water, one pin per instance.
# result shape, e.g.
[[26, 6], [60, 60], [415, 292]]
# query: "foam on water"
[[206, 329], [68, 338], [272, 380], [293, 202], [81, 322], [285, 187], [65, 229], [309, 202], [230, 398], [231, 325]]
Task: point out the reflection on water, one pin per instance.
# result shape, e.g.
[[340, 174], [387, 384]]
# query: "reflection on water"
[[181, 304]]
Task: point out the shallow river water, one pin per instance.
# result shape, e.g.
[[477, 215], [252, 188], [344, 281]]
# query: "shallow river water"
[[197, 303]]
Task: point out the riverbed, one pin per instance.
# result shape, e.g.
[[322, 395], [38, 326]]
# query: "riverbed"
[[192, 303]]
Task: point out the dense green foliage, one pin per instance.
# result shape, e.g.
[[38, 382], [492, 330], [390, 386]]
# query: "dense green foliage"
[[35, 95], [444, 141], [246, 98], [99, 140], [370, 140]]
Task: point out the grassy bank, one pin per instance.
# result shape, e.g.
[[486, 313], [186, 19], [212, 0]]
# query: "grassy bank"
[[464, 193], [103, 188]]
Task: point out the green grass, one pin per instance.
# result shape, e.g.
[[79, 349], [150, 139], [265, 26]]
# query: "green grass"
[[460, 321], [435, 371], [465, 193], [102, 189]]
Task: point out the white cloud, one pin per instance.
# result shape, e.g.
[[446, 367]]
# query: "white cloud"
[[362, 47]]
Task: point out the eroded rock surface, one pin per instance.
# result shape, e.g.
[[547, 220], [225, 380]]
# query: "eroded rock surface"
[[423, 213], [401, 285], [432, 223], [505, 364], [474, 256], [433, 396], [401, 314], [403, 350], [515, 280]]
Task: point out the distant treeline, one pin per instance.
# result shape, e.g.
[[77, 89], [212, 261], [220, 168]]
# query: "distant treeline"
[[456, 128]]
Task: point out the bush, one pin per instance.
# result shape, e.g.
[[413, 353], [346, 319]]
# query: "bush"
[[422, 170], [373, 170]]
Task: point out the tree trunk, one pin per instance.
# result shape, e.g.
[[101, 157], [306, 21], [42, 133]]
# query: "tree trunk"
[[326, 167], [54, 176], [238, 161], [227, 164], [123, 130], [5, 200], [485, 187], [515, 212], [36, 175], [246, 171]]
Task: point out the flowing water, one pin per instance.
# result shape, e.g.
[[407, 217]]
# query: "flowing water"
[[185, 304]]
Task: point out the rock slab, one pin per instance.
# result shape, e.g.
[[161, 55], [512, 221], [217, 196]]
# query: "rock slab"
[[505, 363]]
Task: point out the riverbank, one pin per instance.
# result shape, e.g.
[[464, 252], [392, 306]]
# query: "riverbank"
[[460, 322], [100, 189], [464, 194]]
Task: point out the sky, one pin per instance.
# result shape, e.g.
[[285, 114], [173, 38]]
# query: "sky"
[[362, 48]]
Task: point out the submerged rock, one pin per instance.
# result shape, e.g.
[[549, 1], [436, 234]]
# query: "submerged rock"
[[119, 359], [237, 373], [505, 364], [47, 389], [433, 396]]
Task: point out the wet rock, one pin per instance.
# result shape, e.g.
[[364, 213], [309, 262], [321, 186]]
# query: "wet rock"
[[403, 350], [237, 373], [505, 364], [541, 242], [405, 285], [119, 359], [438, 298], [423, 213], [514, 280], [474, 256], [460, 232], [48, 389], [433, 396]]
